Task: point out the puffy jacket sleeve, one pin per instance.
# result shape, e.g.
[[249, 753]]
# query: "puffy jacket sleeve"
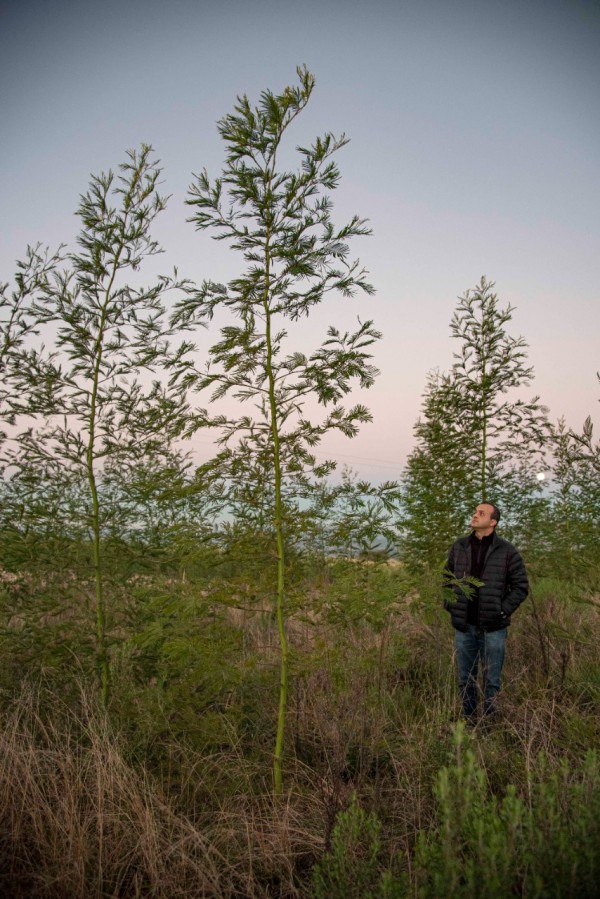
[[517, 584]]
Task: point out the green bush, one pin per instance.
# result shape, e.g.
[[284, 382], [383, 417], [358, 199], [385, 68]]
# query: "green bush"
[[546, 846], [350, 869]]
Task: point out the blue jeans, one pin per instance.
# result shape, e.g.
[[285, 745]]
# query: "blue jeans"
[[471, 646]]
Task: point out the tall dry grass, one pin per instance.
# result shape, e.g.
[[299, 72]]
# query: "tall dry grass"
[[77, 820], [142, 804]]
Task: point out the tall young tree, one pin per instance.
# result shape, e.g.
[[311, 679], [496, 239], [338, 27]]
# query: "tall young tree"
[[491, 364], [437, 484], [575, 513], [280, 222], [94, 393], [477, 439]]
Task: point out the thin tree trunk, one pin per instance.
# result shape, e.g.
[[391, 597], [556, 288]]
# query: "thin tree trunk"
[[101, 647], [280, 601]]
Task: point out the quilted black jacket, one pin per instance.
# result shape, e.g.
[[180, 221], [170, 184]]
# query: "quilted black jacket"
[[504, 578]]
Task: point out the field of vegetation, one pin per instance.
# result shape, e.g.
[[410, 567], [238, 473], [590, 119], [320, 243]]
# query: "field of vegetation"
[[236, 679], [169, 791]]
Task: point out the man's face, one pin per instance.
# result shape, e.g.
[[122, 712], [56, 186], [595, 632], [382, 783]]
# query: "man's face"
[[482, 521]]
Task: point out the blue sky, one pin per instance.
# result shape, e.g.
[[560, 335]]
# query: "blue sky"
[[475, 150]]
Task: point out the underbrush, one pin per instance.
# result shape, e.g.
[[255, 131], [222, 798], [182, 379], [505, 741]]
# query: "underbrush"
[[169, 792]]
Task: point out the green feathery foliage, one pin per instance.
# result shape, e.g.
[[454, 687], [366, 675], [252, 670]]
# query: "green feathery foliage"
[[476, 440], [280, 222], [95, 406]]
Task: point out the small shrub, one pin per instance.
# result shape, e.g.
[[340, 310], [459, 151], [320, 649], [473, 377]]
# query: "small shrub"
[[486, 847], [350, 868]]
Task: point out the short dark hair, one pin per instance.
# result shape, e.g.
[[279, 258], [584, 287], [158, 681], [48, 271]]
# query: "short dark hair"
[[495, 510]]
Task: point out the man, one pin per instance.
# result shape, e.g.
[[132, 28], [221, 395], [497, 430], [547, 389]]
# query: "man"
[[481, 615]]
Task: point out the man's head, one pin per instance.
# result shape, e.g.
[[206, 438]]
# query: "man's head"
[[485, 518]]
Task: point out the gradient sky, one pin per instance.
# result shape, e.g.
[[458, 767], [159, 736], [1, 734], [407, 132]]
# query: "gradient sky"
[[475, 150]]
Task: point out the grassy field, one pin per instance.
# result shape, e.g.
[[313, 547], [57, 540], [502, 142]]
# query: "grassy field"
[[169, 792]]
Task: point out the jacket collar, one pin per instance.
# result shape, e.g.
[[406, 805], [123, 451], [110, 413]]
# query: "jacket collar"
[[495, 540]]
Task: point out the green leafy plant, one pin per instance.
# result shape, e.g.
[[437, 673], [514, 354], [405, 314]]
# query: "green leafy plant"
[[490, 363], [96, 409], [477, 438], [484, 845], [351, 866], [574, 516], [280, 222], [18, 318]]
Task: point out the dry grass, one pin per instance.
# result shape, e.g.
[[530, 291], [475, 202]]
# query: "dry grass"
[[76, 820], [370, 712]]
